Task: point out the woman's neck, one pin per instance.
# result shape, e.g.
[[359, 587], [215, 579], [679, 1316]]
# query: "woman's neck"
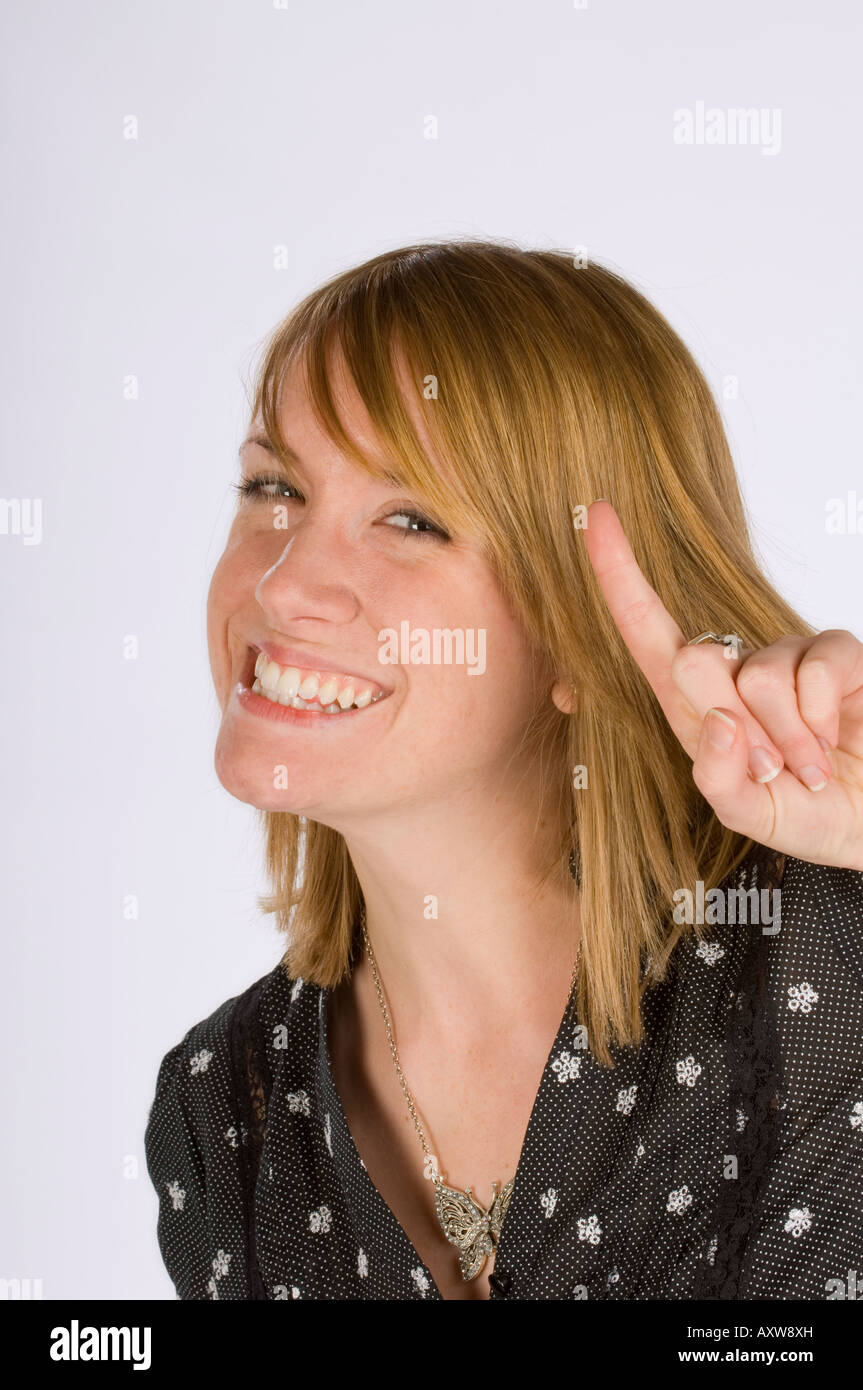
[[468, 937]]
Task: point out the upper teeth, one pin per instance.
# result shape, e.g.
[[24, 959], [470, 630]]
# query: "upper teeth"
[[289, 685]]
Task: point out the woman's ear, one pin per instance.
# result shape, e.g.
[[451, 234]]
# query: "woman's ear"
[[564, 696]]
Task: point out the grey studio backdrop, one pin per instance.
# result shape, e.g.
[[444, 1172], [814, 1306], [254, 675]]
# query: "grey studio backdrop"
[[176, 175]]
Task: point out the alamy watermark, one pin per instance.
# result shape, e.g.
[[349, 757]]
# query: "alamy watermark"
[[844, 515], [437, 646], [720, 905], [849, 1287], [76, 1343], [22, 516], [716, 125], [15, 1289]]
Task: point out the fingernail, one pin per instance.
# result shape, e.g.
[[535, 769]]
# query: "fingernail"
[[720, 729], [824, 744], [763, 765], [813, 777]]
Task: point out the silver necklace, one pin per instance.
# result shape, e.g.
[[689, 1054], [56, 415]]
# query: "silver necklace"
[[473, 1229]]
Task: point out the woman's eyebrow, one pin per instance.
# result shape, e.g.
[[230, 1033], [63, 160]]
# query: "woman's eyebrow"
[[265, 443], [392, 480]]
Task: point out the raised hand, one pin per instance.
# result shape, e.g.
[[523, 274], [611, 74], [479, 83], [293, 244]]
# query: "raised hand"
[[775, 734]]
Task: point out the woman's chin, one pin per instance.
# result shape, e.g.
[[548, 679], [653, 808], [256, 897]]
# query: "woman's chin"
[[263, 796], [254, 776], [251, 777]]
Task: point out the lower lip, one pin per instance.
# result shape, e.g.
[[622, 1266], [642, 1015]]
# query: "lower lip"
[[263, 708]]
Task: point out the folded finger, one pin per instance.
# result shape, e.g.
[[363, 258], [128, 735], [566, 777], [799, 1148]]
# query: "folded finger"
[[706, 679], [767, 685]]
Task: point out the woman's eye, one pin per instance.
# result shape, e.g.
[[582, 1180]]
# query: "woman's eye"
[[430, 531], [265, 487]]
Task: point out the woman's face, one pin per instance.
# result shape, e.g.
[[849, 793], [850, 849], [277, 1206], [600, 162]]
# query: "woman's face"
[[317, 584]]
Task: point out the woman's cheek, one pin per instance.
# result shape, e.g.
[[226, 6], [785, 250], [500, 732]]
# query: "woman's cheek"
[[227, 594]]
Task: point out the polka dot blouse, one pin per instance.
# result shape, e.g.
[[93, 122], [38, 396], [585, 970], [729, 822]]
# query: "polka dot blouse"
[[721, 1158]]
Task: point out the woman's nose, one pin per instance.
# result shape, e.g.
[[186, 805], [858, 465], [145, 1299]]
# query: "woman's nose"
[[311, 575]]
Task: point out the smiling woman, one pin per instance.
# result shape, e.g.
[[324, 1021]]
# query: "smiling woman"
[[493, 1061]]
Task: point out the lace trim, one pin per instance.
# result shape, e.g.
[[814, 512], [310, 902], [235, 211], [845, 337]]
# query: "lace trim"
[[252, 1079], [755, 1085]]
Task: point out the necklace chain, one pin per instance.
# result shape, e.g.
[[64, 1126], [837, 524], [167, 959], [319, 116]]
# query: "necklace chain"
[[438, 1177]]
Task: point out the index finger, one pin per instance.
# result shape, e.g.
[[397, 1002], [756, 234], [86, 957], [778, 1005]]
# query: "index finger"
[[646, 626]]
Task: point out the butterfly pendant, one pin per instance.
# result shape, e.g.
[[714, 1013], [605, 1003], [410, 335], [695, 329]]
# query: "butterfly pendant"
[[467, 1226]]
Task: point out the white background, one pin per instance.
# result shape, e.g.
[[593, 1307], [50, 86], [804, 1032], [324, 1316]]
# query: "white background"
[[305, 128]]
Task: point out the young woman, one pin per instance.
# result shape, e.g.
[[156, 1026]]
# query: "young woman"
[[564, 815]]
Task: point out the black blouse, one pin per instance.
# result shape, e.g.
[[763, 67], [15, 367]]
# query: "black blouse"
[[721, 1158]]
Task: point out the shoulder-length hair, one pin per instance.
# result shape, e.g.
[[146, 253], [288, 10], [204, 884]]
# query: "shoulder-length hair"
[[544, 384]]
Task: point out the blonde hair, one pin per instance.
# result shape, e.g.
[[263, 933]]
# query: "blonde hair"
[[555, 384]]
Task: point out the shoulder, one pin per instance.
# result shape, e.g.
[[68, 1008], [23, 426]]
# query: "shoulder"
[[789, 913], [197, 1139], [813, 960], [810, 1221], [822, 907], [200, 1071], [203, 1058], [775, 965], [772, 1001]]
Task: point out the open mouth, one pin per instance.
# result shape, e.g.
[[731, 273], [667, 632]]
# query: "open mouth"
[[299, 688]]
